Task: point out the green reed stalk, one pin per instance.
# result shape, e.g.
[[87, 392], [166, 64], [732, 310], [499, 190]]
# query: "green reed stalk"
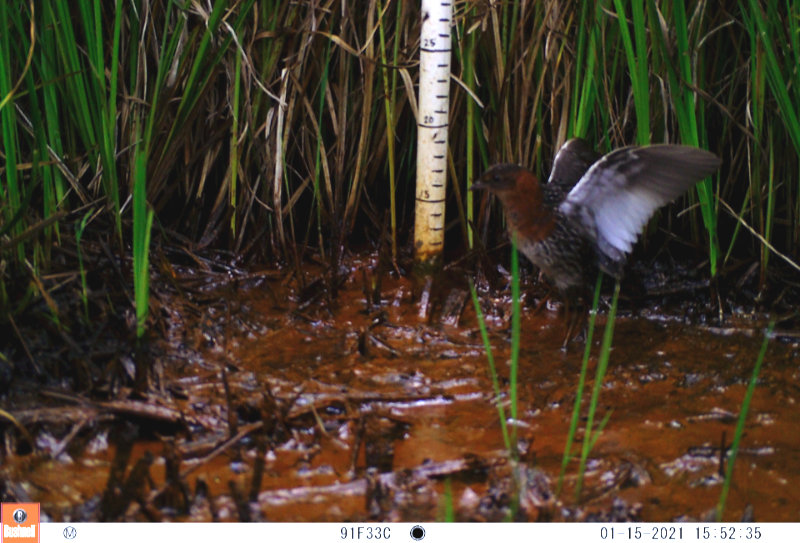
[[585, 97], [509, 28], [769, 218], [737, 436], [778, 54], [583, 30], [576, 407], [54, 181], [109, 129], [166, 56], [487, 346], [685, 108], [515, 336], [509, 440], [323, 86], [792, 22], [468, 59], [79, 229], [234, 144], [198, 73], [87, 94], [756, 99], [41, 175], [590, 434], [388, 102], [737, 227], [449, 509], [142, 226], [142, 215], [206, 58], [12, 208], [769, 30], [637, 65]]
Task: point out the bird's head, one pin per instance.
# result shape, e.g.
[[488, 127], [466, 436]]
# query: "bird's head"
[[519, 192], [505, 179]]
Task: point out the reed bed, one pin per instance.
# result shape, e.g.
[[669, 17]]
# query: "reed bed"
[[274, 129]]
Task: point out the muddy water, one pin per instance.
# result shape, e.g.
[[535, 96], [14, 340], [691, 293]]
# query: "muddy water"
[[356, 411]]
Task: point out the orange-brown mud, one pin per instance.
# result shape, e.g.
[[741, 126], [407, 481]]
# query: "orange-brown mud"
[[349, 410]]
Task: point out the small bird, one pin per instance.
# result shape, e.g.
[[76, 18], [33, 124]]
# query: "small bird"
[[592, 209]]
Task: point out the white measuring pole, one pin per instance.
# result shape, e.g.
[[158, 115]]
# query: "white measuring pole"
[[432, 123]]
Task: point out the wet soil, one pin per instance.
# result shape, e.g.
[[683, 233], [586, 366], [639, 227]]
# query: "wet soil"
[[273, 397]]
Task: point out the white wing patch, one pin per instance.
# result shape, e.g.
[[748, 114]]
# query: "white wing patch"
[[620, 192], [620, 220]]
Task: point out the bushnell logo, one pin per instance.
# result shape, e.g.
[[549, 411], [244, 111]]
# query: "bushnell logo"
[[20, 523]]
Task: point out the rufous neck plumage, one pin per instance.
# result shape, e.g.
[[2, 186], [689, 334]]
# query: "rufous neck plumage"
[[525, 210]]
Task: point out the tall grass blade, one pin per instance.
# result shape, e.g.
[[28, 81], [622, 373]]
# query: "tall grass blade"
[[487, 346], [637, 65], [592, 17], [576, 407], [79, 228], [388, 102], [780, 85], [11, 189], [737, 436], [449, 509], [590, 435], [234, 146], [515, 337], [142, 226], [685, 104]]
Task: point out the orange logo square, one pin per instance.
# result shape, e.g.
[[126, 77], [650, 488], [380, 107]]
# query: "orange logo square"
[[20, 523]]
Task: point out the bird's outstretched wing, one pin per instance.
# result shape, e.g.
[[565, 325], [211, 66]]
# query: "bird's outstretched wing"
[[621, 191]]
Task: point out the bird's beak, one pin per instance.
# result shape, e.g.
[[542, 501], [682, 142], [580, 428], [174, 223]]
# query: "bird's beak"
[[478, 185]]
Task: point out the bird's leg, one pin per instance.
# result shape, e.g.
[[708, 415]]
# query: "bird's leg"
[[572, 327], [541, 304], [569, 321], [576, 318], [566, 337], [581, 320]]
